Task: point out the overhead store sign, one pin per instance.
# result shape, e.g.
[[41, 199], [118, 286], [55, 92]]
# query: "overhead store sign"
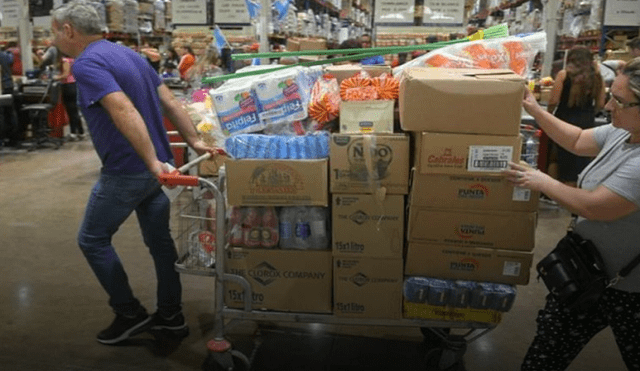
[[394, 11], [11, 12], [230, 11], [443, 12], [189, 12], [622, 13]]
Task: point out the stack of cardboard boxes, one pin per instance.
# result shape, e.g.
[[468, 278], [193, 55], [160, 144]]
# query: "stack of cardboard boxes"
[[369, 178], [465, 220], [283, 280]]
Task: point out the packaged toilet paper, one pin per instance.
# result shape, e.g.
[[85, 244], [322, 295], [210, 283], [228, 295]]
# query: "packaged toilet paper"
[[237, 108], [281, 96]]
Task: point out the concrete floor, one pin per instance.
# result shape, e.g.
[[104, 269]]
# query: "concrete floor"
[[52, 306]]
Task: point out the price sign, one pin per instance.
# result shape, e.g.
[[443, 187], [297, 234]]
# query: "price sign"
[[443, 12], [231, 11], [11, 12], [189, 12], [622, 13], [394, 11]]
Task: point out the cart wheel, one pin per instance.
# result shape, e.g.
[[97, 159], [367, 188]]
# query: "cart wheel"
[[227, 361], [448, 356]]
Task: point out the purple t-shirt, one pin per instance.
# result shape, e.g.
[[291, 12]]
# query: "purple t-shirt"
[[103, 68]]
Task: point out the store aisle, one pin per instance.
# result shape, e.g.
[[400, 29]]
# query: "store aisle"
[[52, 306]]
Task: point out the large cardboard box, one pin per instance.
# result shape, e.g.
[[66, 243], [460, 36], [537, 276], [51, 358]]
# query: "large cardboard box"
[[367, 288], [471, 101], [464, 154], [426, 311], [468, 263], [293, 44], [312, 44], [277, 182], [366, 117], [385, 165], [344, 71], [472, 228], [367, 225], [466, 192], [284, 280]]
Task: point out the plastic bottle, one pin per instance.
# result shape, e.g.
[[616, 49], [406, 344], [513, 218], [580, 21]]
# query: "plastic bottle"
[[287, 226], [302, 228], [236, 237], [270, 233], [531, 151], [318, 223], [251, 228]]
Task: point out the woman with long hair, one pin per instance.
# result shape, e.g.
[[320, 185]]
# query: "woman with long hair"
[[578, 94], [207, 65]]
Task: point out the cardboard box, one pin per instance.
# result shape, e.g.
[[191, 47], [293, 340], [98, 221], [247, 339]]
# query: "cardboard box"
[[545, 94], [284, 280], [367, 288], [426, 311], [471, 101], [489, 192], [366, 117], [468, 263], [472, 228], [367, 226], [344, 71], [312, 44], [384, 166], [292, 45], [277, 182], [465, 154]]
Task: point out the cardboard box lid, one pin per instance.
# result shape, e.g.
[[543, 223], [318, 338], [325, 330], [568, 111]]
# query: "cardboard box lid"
[[474, 81]]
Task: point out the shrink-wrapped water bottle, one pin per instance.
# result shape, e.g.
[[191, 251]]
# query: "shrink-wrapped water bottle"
[[287, 228], [318, 223]]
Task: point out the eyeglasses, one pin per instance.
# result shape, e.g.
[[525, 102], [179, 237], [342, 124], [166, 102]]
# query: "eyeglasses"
[[621, 105]]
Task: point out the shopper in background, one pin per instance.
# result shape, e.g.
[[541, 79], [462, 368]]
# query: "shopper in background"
[[578, 94], [123, 100], [208, 65], [187, 60], [151, 54], [70, 97], [9, 128], [16, 66], [607, 206]]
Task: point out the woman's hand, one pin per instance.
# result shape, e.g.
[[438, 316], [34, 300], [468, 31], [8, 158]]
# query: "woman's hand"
[[527, 177], [529, 102]]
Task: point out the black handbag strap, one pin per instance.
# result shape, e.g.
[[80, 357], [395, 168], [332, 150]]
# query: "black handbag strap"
[[626, 270]]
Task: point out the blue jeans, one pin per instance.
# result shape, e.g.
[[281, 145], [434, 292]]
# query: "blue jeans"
[[112, 200]]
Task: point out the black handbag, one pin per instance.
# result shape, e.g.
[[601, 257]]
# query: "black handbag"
[[574, 272]]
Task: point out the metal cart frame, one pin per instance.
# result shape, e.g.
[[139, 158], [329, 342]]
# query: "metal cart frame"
[[223, 357]]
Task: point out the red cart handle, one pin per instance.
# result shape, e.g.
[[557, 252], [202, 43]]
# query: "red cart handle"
[[176, 179]]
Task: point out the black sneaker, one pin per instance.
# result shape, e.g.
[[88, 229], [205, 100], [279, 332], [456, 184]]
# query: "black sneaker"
[[123, 327], [176, 324]]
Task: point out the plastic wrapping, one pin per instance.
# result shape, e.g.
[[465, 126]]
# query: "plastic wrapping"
[[261, 146], [514, 52], [459, 293], [281, 96], [324, 105]]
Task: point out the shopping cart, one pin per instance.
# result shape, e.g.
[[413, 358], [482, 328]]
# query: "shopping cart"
[[451, 338]]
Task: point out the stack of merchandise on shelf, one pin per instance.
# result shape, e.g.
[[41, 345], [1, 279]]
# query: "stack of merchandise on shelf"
[[197, 39], [466, 221], [369, 178], [146, 11]]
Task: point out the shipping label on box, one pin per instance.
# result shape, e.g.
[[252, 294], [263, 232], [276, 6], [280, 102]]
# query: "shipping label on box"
[[472, 228], [366, 226], [468, 263], [466, 154], [470, 192], [426, 311], [284, 280], [277, 182], [366, 117], [471, 101], [366, 163], [367, 288]]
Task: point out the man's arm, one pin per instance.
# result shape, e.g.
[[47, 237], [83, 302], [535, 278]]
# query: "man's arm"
[[130, 123], [179, 117]]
